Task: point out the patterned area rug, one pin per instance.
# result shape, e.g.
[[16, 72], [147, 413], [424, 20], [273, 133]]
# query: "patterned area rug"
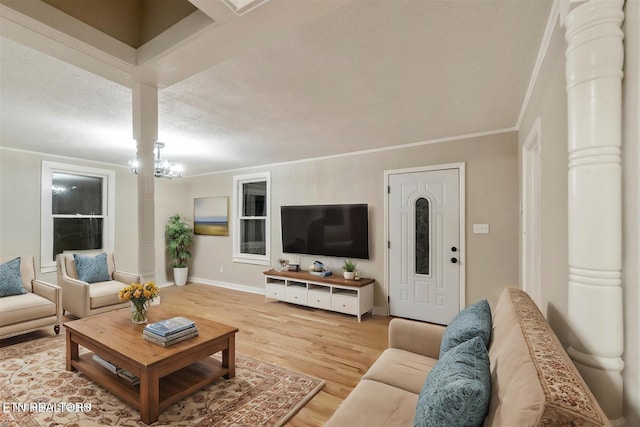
[[36, 390]]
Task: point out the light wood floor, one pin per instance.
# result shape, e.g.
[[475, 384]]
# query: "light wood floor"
[[327, 345]]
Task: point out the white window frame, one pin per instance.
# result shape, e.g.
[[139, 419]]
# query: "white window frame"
[[238, 182], [46, 217]]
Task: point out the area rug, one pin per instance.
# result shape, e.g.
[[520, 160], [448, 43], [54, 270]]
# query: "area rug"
[[36, 390]]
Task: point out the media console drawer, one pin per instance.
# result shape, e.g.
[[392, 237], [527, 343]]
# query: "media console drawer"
[[344, 303], [319, 298], [333, 293], [274, 291], [296, 294]]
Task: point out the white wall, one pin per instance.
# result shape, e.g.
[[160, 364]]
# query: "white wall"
[[491, 191], [20, 211]]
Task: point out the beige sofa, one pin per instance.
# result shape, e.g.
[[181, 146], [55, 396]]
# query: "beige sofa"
[[39, 308], [84, 299], [533, 381]]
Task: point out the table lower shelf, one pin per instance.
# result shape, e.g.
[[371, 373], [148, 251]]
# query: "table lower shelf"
[[173, 387]]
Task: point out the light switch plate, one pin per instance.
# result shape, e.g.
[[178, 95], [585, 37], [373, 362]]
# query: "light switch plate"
[[480, 228]]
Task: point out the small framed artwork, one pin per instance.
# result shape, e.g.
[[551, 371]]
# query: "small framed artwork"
[[211, 216]]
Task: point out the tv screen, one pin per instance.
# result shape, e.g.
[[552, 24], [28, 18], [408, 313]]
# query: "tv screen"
[[331, 230]]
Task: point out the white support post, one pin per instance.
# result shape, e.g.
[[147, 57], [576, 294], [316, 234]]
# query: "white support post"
[[594, 60], [145, 132]]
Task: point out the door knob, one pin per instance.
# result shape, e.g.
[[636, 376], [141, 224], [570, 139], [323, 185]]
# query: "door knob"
[[454, 260], [454, 249]]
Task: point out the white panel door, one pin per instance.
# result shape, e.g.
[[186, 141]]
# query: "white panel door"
[[424, 245]]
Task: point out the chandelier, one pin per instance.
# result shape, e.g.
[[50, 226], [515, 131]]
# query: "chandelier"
[[162, 168]]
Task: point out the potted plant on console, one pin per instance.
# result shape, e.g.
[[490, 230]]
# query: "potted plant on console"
[[179, 238], [349, 268]]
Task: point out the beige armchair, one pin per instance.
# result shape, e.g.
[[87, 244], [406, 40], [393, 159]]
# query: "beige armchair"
[[40, 307], [84, 299]]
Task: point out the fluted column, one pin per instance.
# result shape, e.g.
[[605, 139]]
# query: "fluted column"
[[145, 132], [594, 59]]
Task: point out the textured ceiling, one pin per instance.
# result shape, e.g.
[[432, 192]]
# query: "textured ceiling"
[[362, 76]]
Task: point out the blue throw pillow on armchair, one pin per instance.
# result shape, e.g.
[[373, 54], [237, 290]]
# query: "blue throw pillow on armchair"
[[92, 268], [11, 279], [472, 321], [457, 391]]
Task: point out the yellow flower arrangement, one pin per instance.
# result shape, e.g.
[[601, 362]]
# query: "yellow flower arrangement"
[[139, 294]]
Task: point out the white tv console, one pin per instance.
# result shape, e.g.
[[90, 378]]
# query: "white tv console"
[[333, 293]]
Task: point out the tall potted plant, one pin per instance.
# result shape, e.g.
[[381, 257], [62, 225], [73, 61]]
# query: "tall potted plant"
[[179, 238]]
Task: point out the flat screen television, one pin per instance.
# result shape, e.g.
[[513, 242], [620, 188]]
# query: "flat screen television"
[[330, 230]]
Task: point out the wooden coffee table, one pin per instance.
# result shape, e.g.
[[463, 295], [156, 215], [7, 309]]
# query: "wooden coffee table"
[[167, 374]]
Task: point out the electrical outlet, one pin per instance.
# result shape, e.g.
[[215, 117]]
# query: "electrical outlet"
[[480, 228], [221, 269]]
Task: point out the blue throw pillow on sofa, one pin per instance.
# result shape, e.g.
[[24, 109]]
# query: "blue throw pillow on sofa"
[[11, 279], [92, 268], [457, 391], [473, 321]]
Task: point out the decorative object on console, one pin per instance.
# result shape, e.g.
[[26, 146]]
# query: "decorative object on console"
[[139, 295], [349, 268], [211, 216], [179, 239], [283, 264], [161, 168]]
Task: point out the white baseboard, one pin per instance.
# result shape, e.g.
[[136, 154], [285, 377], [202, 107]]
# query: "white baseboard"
[[164, 284], [227, 285]]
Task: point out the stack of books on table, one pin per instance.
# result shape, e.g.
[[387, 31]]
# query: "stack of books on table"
[[170, 331], [117, 370]]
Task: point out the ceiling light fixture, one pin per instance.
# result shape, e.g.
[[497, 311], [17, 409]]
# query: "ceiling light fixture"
[[162, 168]]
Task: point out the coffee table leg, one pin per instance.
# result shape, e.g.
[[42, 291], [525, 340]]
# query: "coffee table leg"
[[149, 396], [229, 357], [72, 351]]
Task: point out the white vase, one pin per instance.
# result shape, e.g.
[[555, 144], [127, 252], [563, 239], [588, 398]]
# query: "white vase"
[[349, 275], [180, 275]]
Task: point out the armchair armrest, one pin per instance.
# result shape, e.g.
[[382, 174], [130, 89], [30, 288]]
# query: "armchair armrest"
[[49, 291], [126, 278], [75, 295], [416, 337]]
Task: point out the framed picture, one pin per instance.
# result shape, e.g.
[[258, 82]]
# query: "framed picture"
[[211, 216]]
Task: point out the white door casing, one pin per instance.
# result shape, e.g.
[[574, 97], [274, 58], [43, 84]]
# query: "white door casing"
[[425, 284], [531, 249]]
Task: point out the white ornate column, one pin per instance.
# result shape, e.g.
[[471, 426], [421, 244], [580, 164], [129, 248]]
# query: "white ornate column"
[[145, 132], [594, 59]]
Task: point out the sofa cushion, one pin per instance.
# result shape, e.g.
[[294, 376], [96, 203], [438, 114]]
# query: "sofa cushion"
[[103, 294], [458, 388], [92, 269], [375, 404], [402, 369], [474, 320], [10, 279], [22, 308]]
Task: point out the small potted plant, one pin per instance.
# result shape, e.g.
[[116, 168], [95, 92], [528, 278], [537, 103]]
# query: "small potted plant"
[[179, 238], [349, 268]]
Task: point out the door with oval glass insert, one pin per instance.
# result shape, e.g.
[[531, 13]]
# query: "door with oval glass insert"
[[424, 245]]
